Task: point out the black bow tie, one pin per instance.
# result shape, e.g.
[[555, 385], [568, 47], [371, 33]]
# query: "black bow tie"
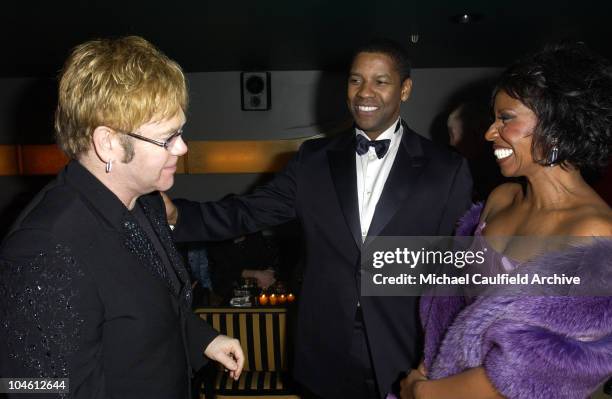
[[380, 146]]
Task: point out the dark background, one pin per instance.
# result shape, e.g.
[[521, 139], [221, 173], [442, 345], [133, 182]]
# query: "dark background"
[[207, 35], [306, 45]]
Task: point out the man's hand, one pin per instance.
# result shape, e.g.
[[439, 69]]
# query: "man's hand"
[[265, 278], [228, 352], [409, 382], [171, 210], [422, 369]]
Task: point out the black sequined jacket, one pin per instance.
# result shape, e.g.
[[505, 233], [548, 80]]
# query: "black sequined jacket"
[[84, 295]]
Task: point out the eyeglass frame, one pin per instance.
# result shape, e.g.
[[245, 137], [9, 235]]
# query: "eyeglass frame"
[[164, 144]]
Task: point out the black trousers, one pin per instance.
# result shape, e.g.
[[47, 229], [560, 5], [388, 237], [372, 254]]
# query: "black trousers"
[[362, 382]]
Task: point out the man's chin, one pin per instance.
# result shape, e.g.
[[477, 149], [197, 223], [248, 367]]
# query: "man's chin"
[[366, 126], [166, 184]]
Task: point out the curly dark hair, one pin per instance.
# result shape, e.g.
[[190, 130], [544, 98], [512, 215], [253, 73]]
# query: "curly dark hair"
[[569, 88], [391, 48]]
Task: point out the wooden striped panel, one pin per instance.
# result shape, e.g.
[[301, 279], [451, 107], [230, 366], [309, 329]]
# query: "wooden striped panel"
[[256, 338], [282, 331], [270, 342], [262, 334], [204, 312], [245, 156], [260, 382], [242, 321]]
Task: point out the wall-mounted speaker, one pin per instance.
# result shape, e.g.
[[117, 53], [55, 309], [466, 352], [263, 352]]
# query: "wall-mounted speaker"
[[255, 90]]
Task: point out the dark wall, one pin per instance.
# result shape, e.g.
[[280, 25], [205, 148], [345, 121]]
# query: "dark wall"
[[304, 103]]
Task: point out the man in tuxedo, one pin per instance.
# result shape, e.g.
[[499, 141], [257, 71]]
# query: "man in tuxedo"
[[379, 178]]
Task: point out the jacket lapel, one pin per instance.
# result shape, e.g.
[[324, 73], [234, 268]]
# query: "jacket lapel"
[[135, 239], [408, 165], [160, 227], [116, 218], [344, 176]]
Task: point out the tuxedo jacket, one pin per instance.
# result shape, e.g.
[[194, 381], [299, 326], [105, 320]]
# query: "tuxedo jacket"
[[86, 296], [427, 189]]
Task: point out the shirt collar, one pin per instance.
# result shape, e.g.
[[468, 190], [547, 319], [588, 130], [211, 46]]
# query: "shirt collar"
[[99, 197], [387, 134]]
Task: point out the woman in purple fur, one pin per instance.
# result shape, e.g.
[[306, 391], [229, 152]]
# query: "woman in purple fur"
[[553, 120]]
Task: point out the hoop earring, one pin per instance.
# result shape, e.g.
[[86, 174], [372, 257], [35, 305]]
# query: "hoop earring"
[[552, 157], [109, 166]]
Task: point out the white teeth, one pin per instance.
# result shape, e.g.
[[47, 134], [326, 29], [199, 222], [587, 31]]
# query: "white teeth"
[[501, 153], [363, 108]]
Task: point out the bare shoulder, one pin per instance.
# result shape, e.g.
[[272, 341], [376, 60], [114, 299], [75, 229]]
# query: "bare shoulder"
[[501, 198], [592, 221]]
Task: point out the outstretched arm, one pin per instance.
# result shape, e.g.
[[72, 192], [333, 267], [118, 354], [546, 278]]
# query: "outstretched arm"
[[268, 205]]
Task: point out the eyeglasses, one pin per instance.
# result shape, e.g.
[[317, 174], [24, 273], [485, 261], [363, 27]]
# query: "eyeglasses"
[[165, 144]]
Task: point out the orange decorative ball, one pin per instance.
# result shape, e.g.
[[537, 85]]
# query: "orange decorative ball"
[[273, 299], [263, 299], [282, 299], [290, 298]]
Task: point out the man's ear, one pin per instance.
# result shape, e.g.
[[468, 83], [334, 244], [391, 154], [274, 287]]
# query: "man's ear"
[[406, 89], [105, 143]]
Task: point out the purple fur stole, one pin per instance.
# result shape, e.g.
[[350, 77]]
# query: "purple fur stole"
[[469, 221], [530, 347]]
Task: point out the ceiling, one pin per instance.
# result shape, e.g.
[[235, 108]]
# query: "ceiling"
[[207, 35]]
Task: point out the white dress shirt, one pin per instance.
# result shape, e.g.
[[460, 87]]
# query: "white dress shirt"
[[372, 174]]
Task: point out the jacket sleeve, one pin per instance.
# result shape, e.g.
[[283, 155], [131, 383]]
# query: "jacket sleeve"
[[50, 312], [268, 205], [199, 335]]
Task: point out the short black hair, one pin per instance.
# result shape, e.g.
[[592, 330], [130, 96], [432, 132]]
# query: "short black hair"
[[391, 48], [569, 88]]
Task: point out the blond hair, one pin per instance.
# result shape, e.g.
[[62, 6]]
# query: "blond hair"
[[119, 83]]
